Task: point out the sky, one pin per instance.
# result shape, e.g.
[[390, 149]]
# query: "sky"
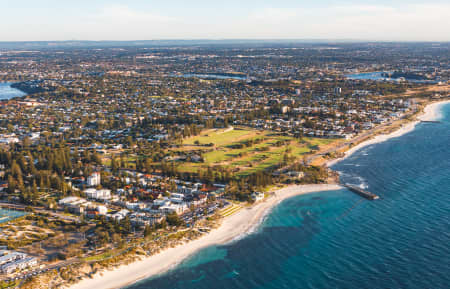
[[381, 20]]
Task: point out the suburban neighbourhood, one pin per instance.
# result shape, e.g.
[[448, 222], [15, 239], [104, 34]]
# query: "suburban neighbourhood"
[[116, 152]]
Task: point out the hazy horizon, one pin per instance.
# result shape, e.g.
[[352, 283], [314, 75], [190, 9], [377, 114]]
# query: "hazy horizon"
[[138, 20], [241, 40]]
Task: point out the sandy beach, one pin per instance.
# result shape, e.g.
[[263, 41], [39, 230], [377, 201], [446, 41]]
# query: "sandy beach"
[[232, 227], [431, 112]]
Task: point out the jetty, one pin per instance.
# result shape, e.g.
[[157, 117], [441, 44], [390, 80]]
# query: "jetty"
[[430, 121], [361, 192]]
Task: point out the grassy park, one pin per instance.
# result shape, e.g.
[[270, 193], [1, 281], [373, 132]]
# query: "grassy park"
[[246, 151]]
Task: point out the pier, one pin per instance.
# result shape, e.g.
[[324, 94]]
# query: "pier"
[[430, 121], [362, 193]]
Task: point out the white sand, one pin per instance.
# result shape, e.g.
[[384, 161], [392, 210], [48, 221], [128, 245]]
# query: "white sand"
[[431, 112], [232, 227]]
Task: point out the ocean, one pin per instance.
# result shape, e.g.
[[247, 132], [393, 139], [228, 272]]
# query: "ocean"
[[338, 239], [8, 92]]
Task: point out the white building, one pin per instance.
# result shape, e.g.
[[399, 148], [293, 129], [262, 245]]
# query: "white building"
[[176, 198], [74, 204], [257, 196], [135, 206], [94, 180], [18, 265], [11, 261], [102, 194], [68, 200], [120, 215], [11, 256], [102, 210], [161, 202], [143, 219], [173, 208]]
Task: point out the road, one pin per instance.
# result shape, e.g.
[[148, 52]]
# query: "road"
[[40, 210], [37, 271], [356, 139]]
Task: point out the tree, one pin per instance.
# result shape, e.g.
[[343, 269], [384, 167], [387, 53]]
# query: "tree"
[[114, 165], [147, 231], [173, 219], [34, 193], [12, 184], [15, 170], [126, 224]]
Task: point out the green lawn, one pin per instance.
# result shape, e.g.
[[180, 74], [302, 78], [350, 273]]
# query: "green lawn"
[[319, 141], [219, 137], [247, 160], [98, 257]]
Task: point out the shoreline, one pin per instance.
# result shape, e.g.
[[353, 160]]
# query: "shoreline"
[[431, 112], [237, 226], [10, 85], [233, 228]]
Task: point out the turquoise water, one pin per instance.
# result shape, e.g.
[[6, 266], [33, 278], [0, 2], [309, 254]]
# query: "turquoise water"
[[8, 92], [339, 240], [367, 75], [8, 215]]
